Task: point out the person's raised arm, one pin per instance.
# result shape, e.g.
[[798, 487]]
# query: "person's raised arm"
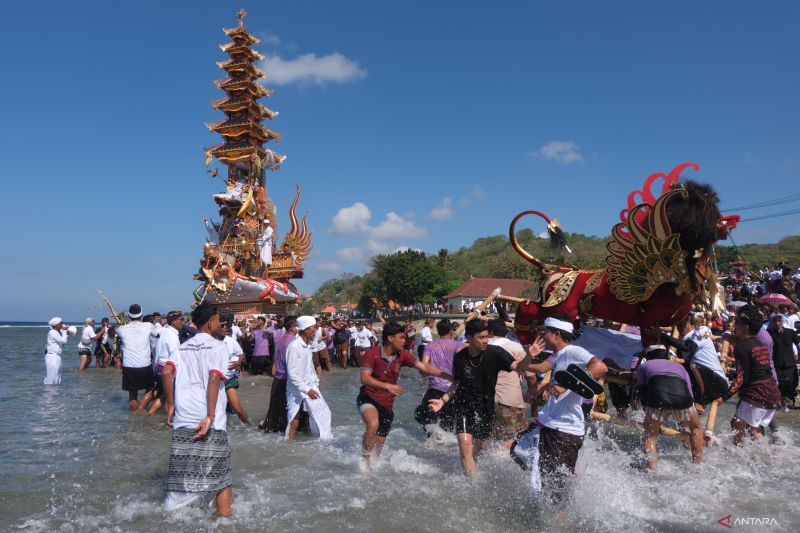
[[534, 350]]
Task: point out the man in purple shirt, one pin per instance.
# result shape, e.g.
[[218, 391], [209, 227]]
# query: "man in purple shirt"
[[439, 354], [666, 391], [261, 362], [275, 421]]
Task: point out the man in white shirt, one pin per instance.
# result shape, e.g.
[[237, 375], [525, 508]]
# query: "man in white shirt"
[[236, 355], [56, 339], [363, 341], [302, 384], [199, 456], [137, 369], [561, 420], [266, 244], [166, 347], [425, 337], [88, 336]]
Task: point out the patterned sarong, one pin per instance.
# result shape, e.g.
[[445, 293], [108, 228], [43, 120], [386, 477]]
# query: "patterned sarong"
[[199, 466]]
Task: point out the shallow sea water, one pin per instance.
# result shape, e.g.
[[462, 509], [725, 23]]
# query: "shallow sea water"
[[73, 458]]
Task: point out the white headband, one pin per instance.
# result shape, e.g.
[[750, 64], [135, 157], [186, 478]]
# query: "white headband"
[[654, 347], [555, 323], [135, 315]]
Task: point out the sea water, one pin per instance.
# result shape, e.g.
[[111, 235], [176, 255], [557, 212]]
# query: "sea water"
[[73, 458]]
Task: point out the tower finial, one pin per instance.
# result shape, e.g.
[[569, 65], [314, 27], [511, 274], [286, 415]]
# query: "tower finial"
[[241, 14]]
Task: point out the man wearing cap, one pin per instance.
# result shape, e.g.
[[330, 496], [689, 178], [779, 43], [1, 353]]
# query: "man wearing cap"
[[561, 420], [302, 385], [56, 338], [88, 336], [199, 455], [137, 369]]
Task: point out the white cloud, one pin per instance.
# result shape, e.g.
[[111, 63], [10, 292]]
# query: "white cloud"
[[350, 254], [477, 194], [543, 235], [564, 152], [328, 266], [351, 220], [396, 227], [312, 69], [443, 211]]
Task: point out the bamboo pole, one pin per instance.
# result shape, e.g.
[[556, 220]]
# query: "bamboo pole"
[[665, 431], [475, 314], [723, 356], [108, 303], [511, 298], [711, 420]]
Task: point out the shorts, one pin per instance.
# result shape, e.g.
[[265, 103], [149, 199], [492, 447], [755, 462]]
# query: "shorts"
[[508, 421], [136, 379], [232, 383], [84, 351], [662, 415], [754, 416], [475, 422], [385, 416]]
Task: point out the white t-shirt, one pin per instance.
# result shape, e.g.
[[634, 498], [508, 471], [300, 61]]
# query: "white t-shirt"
[[706, 355], [316, 343], [86, 338], [135, 337], [362, 338], [196, 359], [564, 413], [425, 336], [236, 332], [157, 327], [167, 346], [234, 352]]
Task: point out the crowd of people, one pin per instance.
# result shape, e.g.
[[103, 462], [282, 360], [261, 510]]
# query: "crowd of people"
[[483, 385]]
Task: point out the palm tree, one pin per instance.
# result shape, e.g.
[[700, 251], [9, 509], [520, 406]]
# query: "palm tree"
[[442, 259]]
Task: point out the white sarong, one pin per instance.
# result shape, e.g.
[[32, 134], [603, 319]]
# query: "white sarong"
[[525, 451], [53, 364], [319, 414]]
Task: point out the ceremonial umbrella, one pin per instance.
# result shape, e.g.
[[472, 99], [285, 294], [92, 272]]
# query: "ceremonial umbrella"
[[774, 298]]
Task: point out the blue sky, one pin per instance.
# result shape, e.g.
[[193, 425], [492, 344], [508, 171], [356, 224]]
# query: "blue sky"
[[424, 124]]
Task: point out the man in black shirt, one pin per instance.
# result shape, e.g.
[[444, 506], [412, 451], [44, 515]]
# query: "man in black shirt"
[[758, 391], [783, 341], [475, 371]]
